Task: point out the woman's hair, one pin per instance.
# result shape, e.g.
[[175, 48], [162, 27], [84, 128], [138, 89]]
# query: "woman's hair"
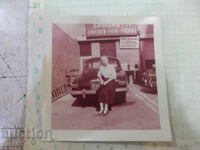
[[102, 58]]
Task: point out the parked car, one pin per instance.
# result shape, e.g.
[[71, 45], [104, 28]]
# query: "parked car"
[[149, 78], [87, 82]]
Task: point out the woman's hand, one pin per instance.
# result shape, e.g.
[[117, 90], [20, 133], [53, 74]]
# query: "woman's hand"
[[102, 82], [106, 82]]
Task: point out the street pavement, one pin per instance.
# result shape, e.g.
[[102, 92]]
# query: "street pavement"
[[140, 112]]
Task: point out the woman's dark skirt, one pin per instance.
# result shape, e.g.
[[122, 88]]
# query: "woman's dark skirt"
[[106, 93]]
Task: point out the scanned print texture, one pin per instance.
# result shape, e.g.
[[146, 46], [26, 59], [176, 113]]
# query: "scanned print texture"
[[76, 58]]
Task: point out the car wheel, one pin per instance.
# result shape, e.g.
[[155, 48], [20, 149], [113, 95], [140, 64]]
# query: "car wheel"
[[121, 98], [151, 83], [80, 100], [145, 82], [78, 97]]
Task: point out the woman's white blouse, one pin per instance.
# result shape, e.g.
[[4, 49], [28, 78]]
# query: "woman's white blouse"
[[107, 71]]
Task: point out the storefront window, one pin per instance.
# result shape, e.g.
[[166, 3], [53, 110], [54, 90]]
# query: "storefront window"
[[85, 49], [108, 48]]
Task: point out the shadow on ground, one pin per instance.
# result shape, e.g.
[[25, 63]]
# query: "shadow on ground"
[[92, 102], [149, 90]]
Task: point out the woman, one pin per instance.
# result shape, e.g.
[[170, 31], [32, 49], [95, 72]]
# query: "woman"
[[106, 91]]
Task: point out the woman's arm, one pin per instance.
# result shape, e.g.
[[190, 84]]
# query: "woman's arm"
[[107, 81], [99, 76]]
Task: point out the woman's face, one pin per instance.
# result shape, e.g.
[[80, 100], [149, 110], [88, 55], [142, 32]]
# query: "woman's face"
[[104, 60]]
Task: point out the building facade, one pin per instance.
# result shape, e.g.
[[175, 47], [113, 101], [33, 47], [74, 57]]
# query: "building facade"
[[132, 44]]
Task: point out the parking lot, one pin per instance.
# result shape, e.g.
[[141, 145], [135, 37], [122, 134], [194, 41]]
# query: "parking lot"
[[140, 112]]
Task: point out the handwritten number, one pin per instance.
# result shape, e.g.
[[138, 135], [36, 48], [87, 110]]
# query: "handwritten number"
[[36, 4], [184, 147], [33, 141]]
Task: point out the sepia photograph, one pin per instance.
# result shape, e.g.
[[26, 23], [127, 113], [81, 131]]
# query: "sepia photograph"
[[105, 77]]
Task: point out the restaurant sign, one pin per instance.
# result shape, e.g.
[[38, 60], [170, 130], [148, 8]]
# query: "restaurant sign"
[[109, 30], [129, 42]]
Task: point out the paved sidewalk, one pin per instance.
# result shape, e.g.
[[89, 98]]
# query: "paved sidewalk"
[[135, 114], [148, 98], [153, 97]]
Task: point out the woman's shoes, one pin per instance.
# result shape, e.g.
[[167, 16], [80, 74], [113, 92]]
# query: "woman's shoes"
[[105, 112], [101, 112]]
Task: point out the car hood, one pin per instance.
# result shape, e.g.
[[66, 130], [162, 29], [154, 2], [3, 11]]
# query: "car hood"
[[88, 75], [91, 74]]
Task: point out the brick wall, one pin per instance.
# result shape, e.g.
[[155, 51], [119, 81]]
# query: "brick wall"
[[65, 57]]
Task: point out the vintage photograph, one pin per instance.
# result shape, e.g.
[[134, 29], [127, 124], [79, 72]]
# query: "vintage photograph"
[[104, 77]]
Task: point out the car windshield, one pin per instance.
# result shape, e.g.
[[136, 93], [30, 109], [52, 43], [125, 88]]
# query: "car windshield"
[[95, 64]]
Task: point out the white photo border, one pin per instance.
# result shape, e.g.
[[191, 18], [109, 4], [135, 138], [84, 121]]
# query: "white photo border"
[[163, 134]]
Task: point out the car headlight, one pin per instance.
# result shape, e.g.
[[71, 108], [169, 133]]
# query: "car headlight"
[[121, 83], [74, 85], [94, 84]]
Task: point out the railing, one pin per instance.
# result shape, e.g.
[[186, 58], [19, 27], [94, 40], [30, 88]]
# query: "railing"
[[60, 91], [65, 88]]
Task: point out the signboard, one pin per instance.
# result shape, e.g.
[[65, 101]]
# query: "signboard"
[[129, 42], [109, 30]]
